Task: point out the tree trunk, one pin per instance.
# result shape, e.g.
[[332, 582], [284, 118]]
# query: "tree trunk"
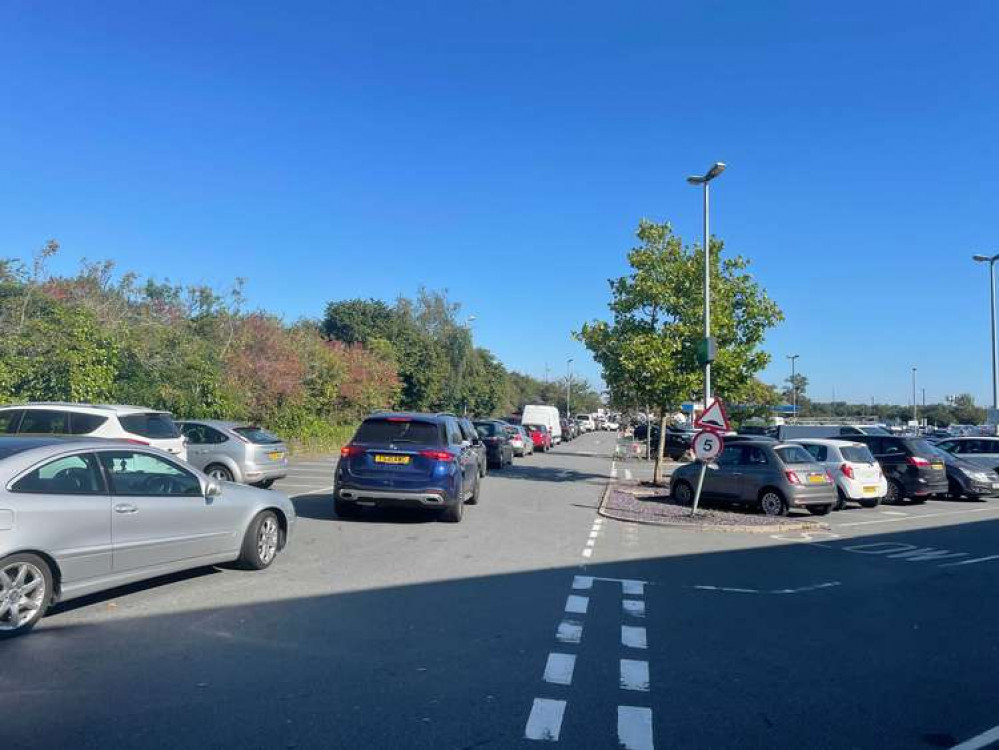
[[657, 473]]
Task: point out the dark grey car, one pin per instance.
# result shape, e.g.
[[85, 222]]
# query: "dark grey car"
[[235, 451], [774, 477]]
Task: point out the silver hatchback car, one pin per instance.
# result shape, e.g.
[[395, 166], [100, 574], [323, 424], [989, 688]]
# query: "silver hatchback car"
[[80, 515], [235, 451], [773, 477]]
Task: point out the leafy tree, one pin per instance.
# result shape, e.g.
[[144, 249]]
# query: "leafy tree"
[[648, 349]]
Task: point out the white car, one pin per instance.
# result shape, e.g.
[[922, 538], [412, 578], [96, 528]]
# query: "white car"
[[585, 422], [857, 474], [133, 423]]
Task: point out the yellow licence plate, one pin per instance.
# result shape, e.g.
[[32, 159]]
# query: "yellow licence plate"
[[398, 460], [938, 466], [870, 489], [816, 479], [275, 455]]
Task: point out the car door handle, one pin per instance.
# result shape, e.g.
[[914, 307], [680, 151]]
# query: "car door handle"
[[125, 508]]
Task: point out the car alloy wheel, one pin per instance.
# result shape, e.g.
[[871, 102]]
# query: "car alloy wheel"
[[267, 539], [772, 504], [894, 494], [219, 473], [22, 594], [684, 494]]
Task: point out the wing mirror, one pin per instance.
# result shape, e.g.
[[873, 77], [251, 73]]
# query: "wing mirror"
[[213, 488]]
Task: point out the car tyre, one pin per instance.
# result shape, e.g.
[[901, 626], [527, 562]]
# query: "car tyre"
[[265, 485], [474, 499], [895, 493], [772, 502], [840, 500], [262, 541], [346, 509], [453, 513], [219, 472], [36, 576], [683, 493], [871, 503], [954, 490], [821, 510]]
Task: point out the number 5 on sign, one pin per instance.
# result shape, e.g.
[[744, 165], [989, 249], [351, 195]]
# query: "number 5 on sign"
[[707, 445]]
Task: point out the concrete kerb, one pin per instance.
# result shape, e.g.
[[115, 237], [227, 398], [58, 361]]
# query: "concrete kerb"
[[703, 523]]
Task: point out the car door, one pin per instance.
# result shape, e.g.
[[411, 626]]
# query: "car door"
[[756, 472], [466, 456], [982, 451], [161, 514], [197, 443], [62, 507], [723, 483]]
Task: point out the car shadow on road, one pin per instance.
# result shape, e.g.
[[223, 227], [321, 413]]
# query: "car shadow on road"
[[537, 473], [320, 508]]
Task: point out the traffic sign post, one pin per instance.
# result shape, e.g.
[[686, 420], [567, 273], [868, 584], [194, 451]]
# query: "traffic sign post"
[[708, 443]]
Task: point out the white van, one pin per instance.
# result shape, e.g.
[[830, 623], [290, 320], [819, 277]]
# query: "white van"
[[546, 415], [585, 422]]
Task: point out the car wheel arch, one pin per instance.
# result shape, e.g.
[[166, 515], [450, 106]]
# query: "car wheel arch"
[[282, 523], [49, 560]]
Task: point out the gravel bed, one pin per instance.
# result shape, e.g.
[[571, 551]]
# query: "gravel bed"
[[645, 504]]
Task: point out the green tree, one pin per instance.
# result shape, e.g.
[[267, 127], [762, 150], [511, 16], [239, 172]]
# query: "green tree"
[[648, 349]]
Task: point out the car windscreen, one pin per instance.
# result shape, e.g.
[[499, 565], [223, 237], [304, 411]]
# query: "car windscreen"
[[874, 431], [857, 454], [488, 429], [795, 454], [395, 430], [537, 427], [257, 435], [154, 424]]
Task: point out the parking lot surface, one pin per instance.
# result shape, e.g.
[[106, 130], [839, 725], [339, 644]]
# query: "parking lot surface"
[[533, 623]]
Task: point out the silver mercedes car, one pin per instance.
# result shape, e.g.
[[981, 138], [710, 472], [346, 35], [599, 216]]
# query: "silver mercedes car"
[[80, 515]]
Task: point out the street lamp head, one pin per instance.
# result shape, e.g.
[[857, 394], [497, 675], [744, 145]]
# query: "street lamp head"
[[981, 258], [695, 180], [715, 170]]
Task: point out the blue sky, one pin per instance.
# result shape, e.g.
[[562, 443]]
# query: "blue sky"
[[506, 151]]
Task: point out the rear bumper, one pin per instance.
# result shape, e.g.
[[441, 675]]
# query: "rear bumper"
[[254, 473], [429, 498], [854, 490], [921, 487], [805, 496]]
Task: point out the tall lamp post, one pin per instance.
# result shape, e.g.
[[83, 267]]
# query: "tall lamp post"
[[707, 352], [915, 405], [991, 260], [794, 386], [568, 386]]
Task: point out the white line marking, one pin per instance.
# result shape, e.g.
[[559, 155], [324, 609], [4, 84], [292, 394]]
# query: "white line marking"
[[634, 728], [634, 607], [286, 485], [582, 582], [613, 471], [633, 637], [590, 542], [545, 721], [627, 474], [577, 604], [588, 552], [970, 562], [634, 675], [569, 631], [295, 464], [633, 588], [917, 517], [316, 492], [558, 670], [802, 589], [893, 513], [983, 740], [594, 534]]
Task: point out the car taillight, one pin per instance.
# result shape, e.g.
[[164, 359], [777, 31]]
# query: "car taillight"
[[349, 451], [437, 455], [847, 470], [135, 441], [829, 479], [917, 461], [792, 477]]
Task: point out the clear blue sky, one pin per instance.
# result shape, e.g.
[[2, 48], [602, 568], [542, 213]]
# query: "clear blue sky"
[[506, 151]]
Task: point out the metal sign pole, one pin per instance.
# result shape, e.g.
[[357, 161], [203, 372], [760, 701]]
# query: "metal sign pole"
[[700, 483]]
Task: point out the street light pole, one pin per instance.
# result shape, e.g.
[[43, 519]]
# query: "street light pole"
[[568, 387], [915, 406], [708, 353], [991, 260], [794, 386]]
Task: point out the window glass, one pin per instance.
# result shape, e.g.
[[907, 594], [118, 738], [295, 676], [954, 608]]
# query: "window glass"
[[857, 454], [453, 432], [138, 473], [948, 445], [922, 448], [256, 435], [794, 454], [398, 430], [9, 419], [195, 433], [488, 429], [156, 425], [756, 456], [44, 422], [892, 448], [819, 452], [69, 475], [730, 456], [84, 424]]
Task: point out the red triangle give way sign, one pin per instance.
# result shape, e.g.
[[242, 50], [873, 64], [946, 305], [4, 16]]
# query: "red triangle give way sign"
[[713, 418]]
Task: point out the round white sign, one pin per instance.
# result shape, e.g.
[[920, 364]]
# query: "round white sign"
[[707, 445]]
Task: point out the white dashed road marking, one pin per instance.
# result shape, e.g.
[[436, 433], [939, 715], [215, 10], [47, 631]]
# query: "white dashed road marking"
[[582, 582], [627, 474], [634, 607], [634, 675], [577, 605], [545, 721], [633, 637], [558, 670], [634, 728], [569, 631], [983, 740]]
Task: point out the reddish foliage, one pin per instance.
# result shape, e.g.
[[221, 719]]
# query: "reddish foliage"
[[264, 363]]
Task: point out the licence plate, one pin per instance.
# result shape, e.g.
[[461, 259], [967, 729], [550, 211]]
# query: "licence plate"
[[995, 485], [275, 455], [870, 489], [398, 460], [816, 479], [938, 466]]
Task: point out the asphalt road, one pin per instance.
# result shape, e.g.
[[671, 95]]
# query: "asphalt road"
[[535, 619]]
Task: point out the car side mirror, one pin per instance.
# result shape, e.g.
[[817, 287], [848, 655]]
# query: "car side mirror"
[[466, 444], [213, 488]]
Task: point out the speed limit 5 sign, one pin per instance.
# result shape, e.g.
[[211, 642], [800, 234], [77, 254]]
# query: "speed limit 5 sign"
[[707, 445]]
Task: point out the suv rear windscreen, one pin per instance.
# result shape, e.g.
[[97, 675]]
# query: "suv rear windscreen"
[[257, 435], [795, 454], [489, 429], [919, 447], [857, 454], [397, 430], [155, 425]]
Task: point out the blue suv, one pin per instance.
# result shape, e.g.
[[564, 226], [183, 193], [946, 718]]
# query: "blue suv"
[[407, 460]]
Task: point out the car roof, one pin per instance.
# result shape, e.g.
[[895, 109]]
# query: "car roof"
[[835, 442], [227, 423], [416, 415], [88, 408]]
